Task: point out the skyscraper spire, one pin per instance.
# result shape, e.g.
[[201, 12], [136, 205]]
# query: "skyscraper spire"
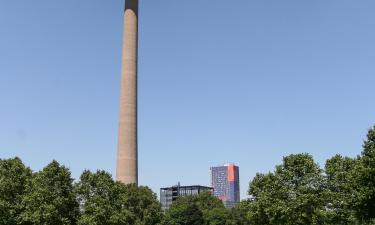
[[127, 152]]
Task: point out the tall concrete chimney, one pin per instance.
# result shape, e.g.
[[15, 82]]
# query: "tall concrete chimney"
[[127, 152]]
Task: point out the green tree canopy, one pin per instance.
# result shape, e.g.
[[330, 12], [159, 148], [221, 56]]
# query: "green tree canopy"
[[293, 194], [219, 216], [203, 209], [243, 214], [49, 198], [184, 211], [14, 177], [212, 208], [104, 201], [298, 192], [340, 175], [364, 204], [206, 201]]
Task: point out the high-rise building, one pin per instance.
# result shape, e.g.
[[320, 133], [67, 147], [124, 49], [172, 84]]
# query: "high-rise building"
[[226, 183], [169, 194]]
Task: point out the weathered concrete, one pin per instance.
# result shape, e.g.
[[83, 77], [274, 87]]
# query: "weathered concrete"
[[127, 152]]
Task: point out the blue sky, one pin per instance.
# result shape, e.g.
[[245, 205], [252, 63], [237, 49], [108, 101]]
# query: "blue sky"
[[246, 82]]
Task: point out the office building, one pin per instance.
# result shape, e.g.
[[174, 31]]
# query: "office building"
[[225, 181], [169, 194]]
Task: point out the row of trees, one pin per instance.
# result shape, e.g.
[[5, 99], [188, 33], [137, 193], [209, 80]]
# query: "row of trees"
[[50, 197], [300, 192], [297, 192]]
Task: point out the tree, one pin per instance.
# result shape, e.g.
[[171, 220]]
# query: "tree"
[[203, 209], [49, 198], [364, 186], [213, 210], [293, 194], [141, 202], [184, 211], [206, 201], [243, 213], [14, 177], [219, 216], [96, 197], [340, 179], [104, 201]]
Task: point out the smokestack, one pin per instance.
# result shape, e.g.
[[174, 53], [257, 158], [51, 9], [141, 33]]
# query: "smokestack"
[[127, 152]]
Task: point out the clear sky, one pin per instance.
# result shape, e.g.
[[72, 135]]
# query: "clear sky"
[[243, 81]]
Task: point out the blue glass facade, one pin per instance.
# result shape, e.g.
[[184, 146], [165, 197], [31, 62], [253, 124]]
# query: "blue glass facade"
[[226, 183]]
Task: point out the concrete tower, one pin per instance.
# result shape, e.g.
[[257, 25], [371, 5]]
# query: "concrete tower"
[[127, 153]]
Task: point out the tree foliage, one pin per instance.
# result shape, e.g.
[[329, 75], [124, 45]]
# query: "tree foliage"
[[298, 192], [14, 177], [49, 198], [340, 174], [364, 204], [202, 209], [184, 211], [293, 194], [213, 210], [104, 201]]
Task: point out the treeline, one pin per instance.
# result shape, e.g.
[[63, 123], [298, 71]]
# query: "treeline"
[[298, 192], [49, 197]]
